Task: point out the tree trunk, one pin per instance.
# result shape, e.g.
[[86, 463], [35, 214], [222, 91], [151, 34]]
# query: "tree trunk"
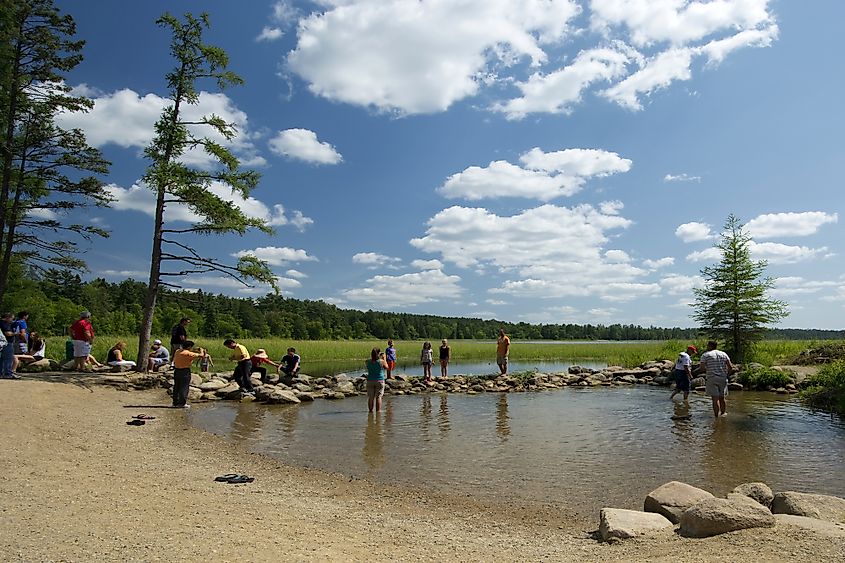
[[152, 287], [155, 260]]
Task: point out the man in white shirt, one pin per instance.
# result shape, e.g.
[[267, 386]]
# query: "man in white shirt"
[[717, 366]]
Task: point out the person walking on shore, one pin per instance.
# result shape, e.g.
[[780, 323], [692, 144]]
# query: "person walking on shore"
[[445, 356], [182, 360], [717, 368], [683, 372], [243, 367], [390, 357], [503, 346], [376, 374]]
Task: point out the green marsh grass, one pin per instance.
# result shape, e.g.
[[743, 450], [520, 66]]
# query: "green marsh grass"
[[626, 354]]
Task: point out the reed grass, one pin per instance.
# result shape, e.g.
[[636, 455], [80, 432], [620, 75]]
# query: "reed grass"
[[627, 354]]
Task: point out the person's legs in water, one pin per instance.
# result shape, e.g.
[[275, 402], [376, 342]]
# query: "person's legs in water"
[[715, 406], [723, 406]]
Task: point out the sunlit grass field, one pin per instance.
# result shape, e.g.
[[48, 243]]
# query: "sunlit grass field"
[[614, 353]]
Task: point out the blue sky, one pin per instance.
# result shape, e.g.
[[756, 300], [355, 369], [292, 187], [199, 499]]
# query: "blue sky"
[[533, 160]]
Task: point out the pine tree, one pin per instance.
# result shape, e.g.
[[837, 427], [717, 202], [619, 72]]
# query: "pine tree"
[[733, 305], [174, 182], [44, 167]]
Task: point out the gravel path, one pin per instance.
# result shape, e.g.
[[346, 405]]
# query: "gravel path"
[[80, 485]]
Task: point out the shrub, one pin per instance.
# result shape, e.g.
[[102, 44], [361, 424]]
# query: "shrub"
[[764, 378], [826, 389]]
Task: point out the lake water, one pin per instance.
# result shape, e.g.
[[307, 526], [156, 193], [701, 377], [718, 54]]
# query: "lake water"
[[355, 367], [574, 449]]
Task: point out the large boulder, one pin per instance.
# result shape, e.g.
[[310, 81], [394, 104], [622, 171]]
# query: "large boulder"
[[758, 491], [213, 385], [283, 396], [196, 380], [623, 524], [230, 391], [673, 498], [823, 507], [715, 516]]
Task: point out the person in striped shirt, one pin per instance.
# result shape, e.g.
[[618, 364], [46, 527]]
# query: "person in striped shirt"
[[717, 367]]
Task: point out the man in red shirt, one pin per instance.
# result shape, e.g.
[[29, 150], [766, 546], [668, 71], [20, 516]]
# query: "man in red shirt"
[[82, 334]]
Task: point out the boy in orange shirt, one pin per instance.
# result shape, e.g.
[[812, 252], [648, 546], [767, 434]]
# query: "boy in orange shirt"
[[182, 360]]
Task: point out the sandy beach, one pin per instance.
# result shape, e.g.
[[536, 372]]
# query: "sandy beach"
[[80, 485]]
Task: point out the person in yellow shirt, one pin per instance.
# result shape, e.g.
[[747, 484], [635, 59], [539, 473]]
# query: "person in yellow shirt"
[[182, 360], [244, 367]]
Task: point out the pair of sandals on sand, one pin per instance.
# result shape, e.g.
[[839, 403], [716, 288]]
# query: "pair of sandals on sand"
[[139, 420], [234, 479]]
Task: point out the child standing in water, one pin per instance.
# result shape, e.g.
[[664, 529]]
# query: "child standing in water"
[[390, 356], [426, 358]]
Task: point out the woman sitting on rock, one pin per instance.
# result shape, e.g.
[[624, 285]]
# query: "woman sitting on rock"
[[115, 357], [35, 351]]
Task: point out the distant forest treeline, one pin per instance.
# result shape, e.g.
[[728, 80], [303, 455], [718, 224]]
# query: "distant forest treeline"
[[56, 297]]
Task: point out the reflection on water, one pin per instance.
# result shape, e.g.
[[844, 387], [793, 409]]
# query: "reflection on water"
[[579, 449]]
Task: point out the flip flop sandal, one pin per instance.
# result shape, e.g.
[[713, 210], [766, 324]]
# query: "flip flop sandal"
[[241, 479], [135, 422], [226, 478], [143, 417]]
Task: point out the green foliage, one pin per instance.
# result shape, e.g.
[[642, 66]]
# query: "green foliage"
[[46, 171], [826, 389], [733, 306], [764, 378]]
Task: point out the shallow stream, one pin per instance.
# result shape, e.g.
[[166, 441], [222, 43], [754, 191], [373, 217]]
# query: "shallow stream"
[[576, 449]]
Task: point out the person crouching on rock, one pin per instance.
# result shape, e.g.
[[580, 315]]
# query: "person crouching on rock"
[[260, 357], [290, 363], [182, 360], [244, 366]]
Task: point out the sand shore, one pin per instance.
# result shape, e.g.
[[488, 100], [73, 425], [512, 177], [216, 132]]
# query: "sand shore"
[[78, 484]]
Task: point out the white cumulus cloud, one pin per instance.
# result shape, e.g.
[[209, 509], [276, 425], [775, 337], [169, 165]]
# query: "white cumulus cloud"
[[693, 232], [413, 56], [543, 175], [773, 225], [277, 256], [406, 290], [302, 144]]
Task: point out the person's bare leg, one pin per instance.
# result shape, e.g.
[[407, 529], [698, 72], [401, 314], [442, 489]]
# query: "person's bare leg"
[[723, 406], [378, 403], [715, 406], [370, 403]]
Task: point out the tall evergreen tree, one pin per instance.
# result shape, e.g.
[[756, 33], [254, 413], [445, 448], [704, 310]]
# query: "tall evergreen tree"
[[44, 167], [733, 305], [174, 182]]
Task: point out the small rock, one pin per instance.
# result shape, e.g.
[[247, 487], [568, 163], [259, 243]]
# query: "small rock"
[[757, 491], [624, 524]]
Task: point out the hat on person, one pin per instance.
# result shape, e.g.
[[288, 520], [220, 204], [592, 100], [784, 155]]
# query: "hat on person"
[[157, 341], [693, 348], [85, 315], [260, 353]]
